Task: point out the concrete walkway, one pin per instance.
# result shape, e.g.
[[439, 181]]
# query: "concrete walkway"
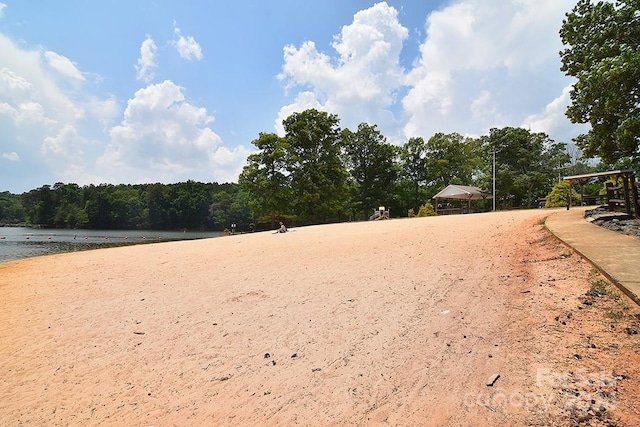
[[616, 255]]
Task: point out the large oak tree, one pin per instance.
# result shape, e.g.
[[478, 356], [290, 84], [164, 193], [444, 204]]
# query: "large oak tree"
[[314, 164], [602, 52]]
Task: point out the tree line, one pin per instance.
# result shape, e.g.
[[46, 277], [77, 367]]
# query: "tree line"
[[318, 172], [183, 206]]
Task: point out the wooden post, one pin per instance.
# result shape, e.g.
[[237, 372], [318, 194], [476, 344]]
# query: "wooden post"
[[625, 188], [610, 196], [634, 194]]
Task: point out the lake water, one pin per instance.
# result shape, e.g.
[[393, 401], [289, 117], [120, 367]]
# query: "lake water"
[[21, 242]]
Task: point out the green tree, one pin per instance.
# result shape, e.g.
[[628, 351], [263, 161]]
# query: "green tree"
[[190, 205], [526, 164], [314, 164], [69, 206], [371, 163], [603, 53], [240, 212], [11, 209], [125, 207], [264, 179], [220, 208], [413, 173], [97, 206], [156, 200], [39, 206], [452, 159]]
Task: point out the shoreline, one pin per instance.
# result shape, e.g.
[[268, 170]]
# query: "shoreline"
[[22, 243]]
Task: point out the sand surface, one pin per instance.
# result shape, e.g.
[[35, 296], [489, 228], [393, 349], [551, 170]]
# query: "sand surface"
[[399, 322]]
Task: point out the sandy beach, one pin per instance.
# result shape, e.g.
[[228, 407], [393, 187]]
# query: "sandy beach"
[[399, 322]]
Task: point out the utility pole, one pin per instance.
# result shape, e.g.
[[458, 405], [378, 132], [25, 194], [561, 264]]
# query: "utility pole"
[[494, 179]]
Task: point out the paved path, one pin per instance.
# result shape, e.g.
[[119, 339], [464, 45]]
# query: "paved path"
[[616, 255]]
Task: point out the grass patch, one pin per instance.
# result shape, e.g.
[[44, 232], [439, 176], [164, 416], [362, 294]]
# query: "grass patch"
[[615, 314], [618, 308], [599, 288]]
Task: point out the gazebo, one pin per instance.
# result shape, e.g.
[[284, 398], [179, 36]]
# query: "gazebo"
[[462, 193]]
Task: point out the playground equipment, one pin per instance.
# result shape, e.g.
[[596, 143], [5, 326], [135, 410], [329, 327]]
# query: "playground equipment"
[[380, 213]]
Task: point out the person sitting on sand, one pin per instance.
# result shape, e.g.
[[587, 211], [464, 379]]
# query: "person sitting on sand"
[[282, 229]]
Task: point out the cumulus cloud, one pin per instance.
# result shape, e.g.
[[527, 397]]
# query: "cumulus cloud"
[[552, 120], [164, 137], [553, 113], [480, 64], [481, 57], [146, 65], [103, 110], [360, 81], [187, 47], [65, 145], [483, 109], [30, 88], [46, 126], [2, 8], [10, 81], [55, 123]]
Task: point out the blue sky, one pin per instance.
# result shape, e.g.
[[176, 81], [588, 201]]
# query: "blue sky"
[[164, 91]]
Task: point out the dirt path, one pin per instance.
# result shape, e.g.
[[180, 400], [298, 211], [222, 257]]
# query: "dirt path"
[[397, 322]]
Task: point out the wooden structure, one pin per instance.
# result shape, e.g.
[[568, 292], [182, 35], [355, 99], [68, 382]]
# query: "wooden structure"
[[623, 196]]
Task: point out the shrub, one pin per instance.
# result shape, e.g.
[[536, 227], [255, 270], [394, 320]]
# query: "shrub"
[[558, 196], [426, 210]]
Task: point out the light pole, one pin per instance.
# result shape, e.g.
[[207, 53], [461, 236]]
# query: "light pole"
[[494, 179]]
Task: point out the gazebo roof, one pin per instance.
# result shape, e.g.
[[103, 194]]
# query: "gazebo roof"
[[463, 192]]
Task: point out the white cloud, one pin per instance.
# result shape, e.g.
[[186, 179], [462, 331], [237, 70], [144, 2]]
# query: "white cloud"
[[30, 77], [10, 81], [104, 110], [12, 157], [48, 115], [187, 47], [553, 113], [63, 65], [66, 144], [481, 64], [59, 130], [163, 137], [552, 120], [360, 83], [483, 109], [2, 8], [33, 113], [147, 61]]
